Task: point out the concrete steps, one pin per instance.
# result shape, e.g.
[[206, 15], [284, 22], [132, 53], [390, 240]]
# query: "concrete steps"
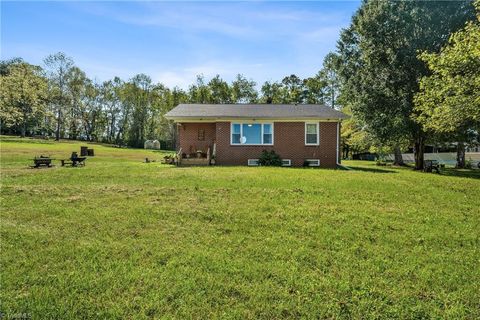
[[194, 162]]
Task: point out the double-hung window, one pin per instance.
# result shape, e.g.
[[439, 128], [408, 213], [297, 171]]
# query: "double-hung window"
[[236, 133], [311, 134], [252, 133]]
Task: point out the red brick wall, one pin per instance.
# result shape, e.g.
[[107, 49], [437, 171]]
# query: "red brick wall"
[[188, 136], [339, 130], [289, 143]]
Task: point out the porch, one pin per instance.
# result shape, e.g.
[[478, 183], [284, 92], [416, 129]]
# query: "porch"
[[197, 158]]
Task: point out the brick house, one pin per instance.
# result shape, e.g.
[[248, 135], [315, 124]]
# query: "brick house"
[[236, 134]]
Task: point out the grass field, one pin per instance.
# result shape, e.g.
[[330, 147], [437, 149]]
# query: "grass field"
[[128, 240]]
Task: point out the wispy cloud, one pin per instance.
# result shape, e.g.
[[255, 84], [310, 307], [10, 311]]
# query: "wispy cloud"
[[186, 17], [184, 77], [175, 41], [244, 19]]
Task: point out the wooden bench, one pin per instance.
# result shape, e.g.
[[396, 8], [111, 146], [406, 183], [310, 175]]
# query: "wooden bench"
[[74, 160]]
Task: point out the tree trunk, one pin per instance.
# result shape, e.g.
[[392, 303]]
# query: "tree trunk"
[[117, 139], [112, 130], [93, 128], [419, 153], [345, 151], [24, 129], [73, 128], [398, 161], [460, 155], [333, 98], [85, 128], [121, 131], [24, 125], [59, 120]]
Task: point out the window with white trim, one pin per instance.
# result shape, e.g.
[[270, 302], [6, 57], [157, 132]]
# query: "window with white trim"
[[311, 134], [252, 133], [312, 162]]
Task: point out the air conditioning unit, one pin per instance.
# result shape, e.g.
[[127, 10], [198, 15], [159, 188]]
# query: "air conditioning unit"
[[253, 162]]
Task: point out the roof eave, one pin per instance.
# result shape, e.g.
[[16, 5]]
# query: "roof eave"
[[236, 118]]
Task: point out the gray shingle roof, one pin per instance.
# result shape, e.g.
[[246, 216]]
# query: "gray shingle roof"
[[253, 111]]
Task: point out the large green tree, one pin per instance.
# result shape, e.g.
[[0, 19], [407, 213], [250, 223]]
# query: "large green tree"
[[111, 102], [23, 96], [273, 92], [58, 67], [291, 90], [354, 138], [76, 87], [448, 103], [294, 88], [314, 89], [243, 90], [380, 71], [140, 97], [329, 78], [221, 92], [200, 92]]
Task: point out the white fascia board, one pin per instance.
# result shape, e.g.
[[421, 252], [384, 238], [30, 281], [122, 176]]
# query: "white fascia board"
[[260, 120]]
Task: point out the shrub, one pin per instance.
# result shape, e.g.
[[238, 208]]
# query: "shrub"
[[468, 164], [381, 163], [269, 158]]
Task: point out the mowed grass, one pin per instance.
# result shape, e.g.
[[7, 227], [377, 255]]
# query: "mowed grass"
[[122, 239]]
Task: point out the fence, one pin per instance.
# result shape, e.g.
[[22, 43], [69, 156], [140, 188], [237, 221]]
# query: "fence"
[[447, 158], [167, 145]]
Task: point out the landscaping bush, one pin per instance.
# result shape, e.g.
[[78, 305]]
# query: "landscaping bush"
[[468, 164], [381, 163], [270, 158]]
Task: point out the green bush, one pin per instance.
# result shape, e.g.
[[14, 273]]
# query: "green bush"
[[468, 164], [269, 158]]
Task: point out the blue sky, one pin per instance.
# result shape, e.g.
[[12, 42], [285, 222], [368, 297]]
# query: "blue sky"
[[174, 41]]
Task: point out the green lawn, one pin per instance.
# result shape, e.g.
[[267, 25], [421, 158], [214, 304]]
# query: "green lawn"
[[128, 240]]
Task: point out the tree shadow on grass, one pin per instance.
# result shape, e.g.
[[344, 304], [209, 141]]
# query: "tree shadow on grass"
[[373, 170], [462, 173]]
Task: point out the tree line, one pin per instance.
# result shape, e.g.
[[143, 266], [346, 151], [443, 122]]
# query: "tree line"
[[58, 99]]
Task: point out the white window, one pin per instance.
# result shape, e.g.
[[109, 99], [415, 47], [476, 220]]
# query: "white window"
[[252, 133], [312, 162], [253, 162], [286, 163], [311, 134]]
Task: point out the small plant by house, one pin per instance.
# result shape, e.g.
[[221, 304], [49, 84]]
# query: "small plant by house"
[[270, 158]]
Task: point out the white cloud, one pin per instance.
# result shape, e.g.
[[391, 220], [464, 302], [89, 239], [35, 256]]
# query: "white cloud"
[[327, 34], [235, 19], [184, 77], [173, 79], [188, 17]]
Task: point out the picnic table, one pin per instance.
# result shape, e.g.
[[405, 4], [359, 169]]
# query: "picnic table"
[[431, 166], [42, 161]]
